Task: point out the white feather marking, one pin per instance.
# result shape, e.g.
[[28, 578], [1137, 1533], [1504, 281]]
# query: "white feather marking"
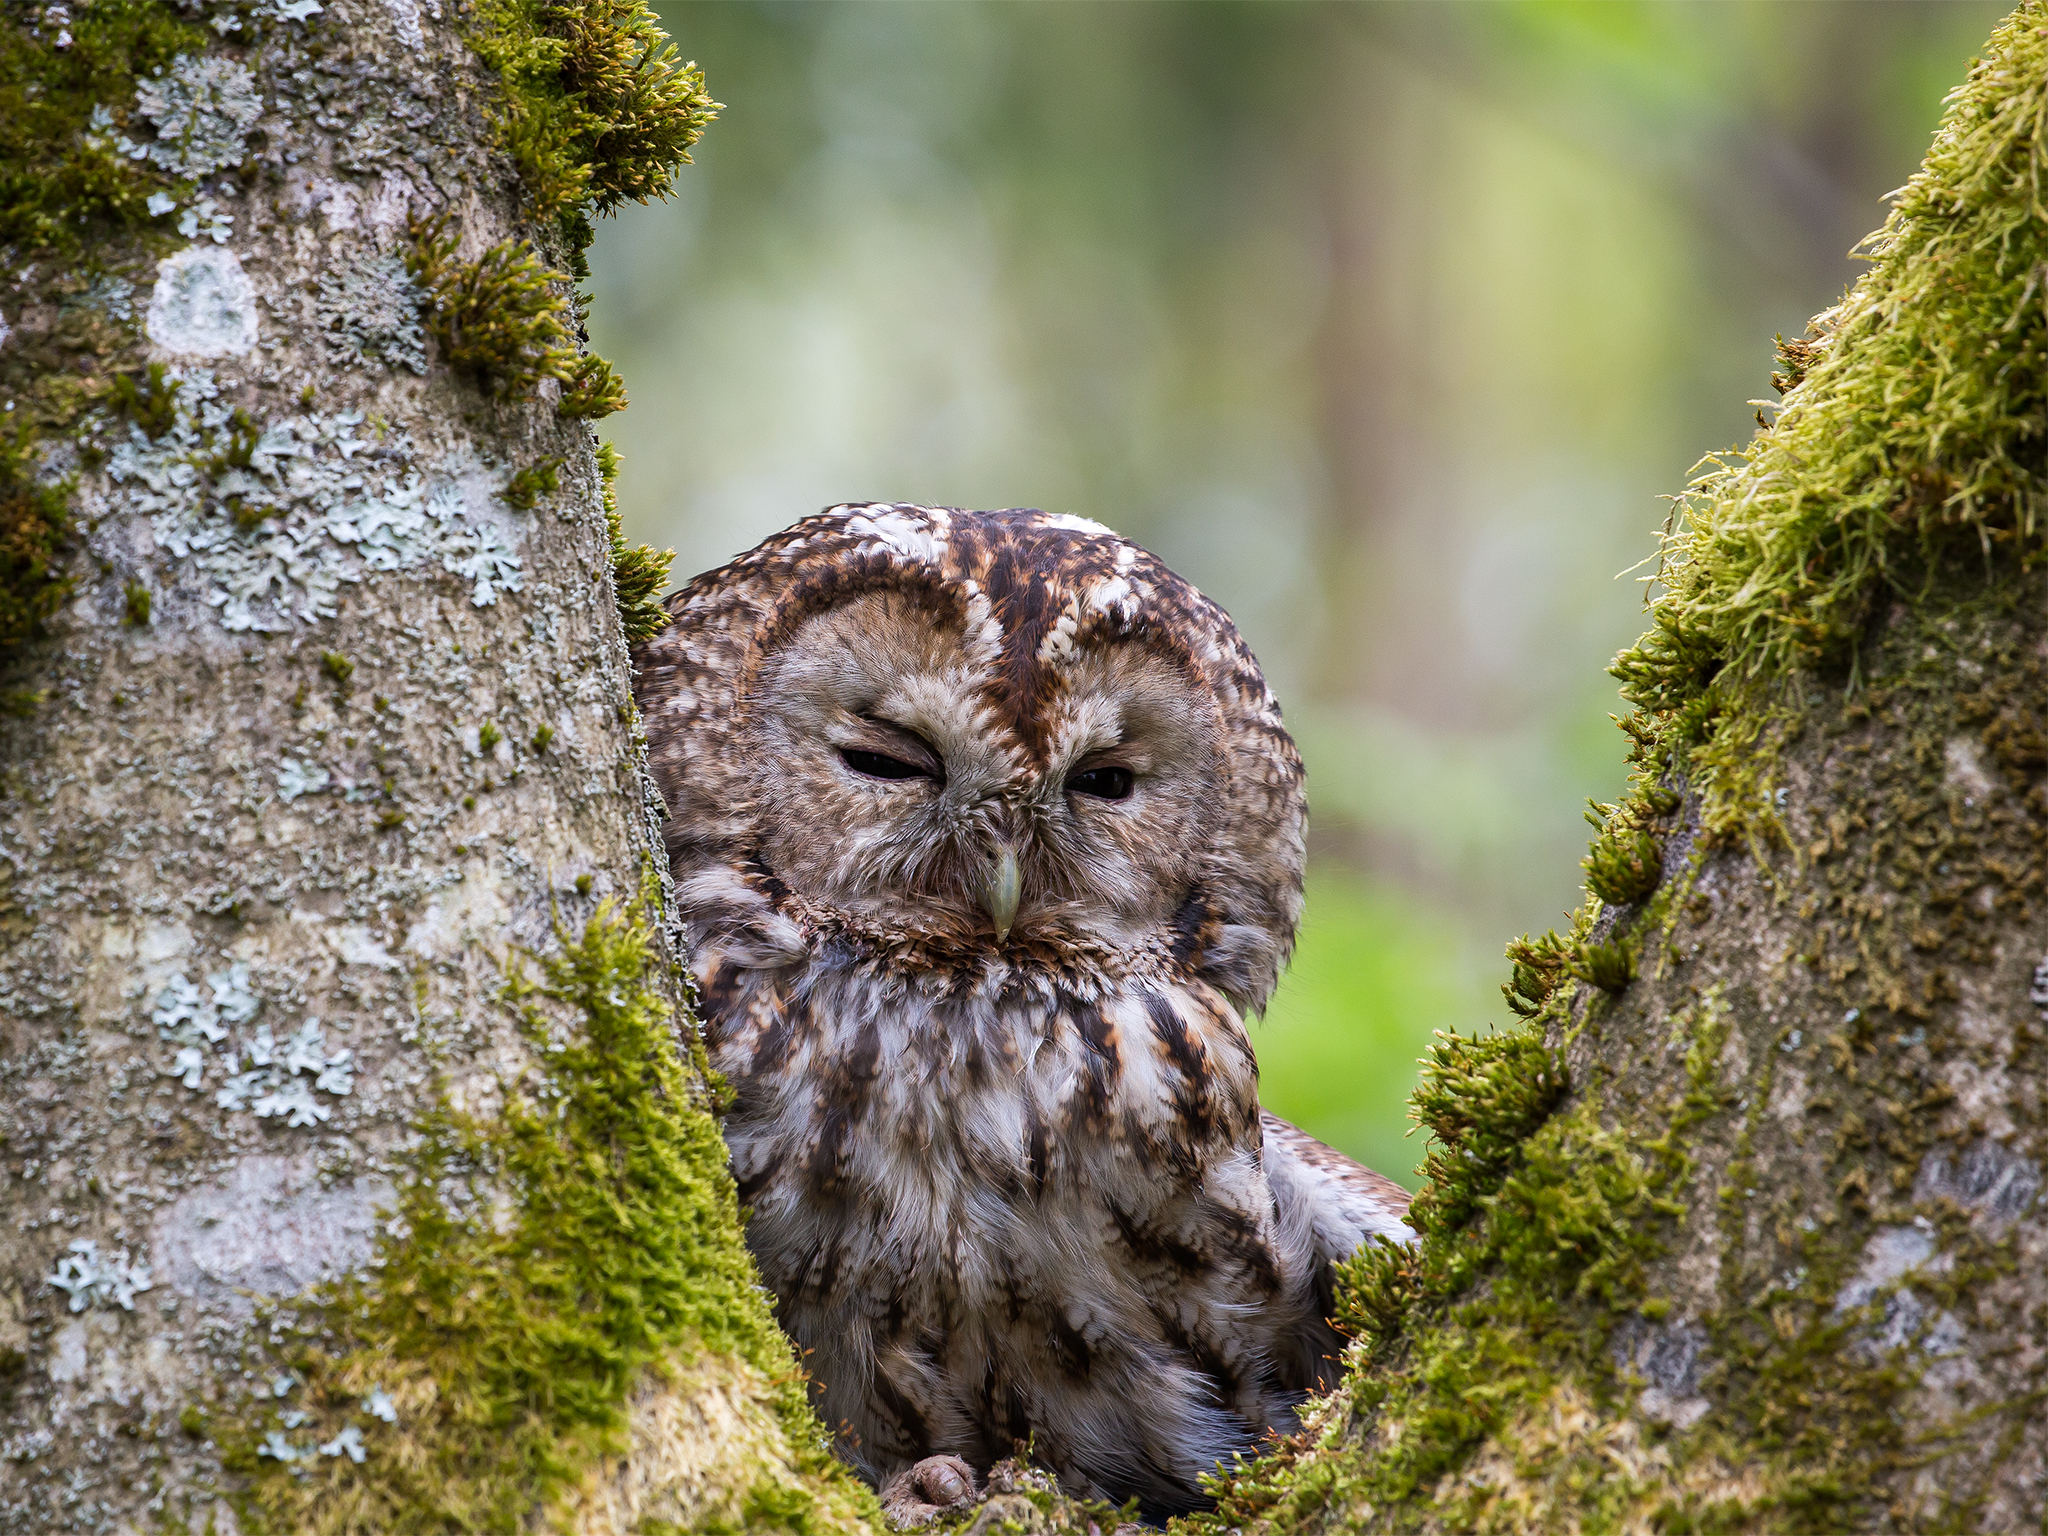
[[984, 634], [906, 531], [1057, 648], [1112, 595]]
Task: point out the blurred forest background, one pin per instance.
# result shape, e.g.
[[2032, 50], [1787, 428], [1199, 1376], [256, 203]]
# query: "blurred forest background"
[[1386, 325]]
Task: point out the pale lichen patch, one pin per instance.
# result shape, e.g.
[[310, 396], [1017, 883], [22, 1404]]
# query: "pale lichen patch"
[[202, 109], [369, 311], [92, 1279], [203, 305], [270, 1228]]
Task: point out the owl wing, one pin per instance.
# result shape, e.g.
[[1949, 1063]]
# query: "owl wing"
[[1325, 1205], [1342, 1200]]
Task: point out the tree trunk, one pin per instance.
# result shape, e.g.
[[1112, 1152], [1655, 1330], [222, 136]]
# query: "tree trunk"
[[1742, 1228], [359, 1165]]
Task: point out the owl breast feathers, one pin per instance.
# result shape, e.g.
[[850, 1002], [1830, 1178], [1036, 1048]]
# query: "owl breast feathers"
[[987, 838]]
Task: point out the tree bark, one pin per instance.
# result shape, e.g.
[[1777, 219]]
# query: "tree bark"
[[1742, 1228], [360, 1171]]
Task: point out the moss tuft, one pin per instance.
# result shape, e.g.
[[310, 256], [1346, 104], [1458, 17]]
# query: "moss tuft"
[[488, 1360], [135, 605], [1559, 1214], [338, 667], [525, 489], [1540, 967], [35, 520], [593, 390], [1480, 1099], [639, 573], [149, 399], [505, 319], [500, 318], [597, 110], [1610, 966], [1626, 860]]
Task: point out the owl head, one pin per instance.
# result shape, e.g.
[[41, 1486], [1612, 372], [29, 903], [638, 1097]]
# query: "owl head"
[[958, 740]]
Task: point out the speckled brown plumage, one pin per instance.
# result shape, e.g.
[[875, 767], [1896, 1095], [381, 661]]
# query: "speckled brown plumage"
[[987, 837]]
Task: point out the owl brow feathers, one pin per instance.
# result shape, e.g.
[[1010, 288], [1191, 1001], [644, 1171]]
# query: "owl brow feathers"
[[1004, 593]]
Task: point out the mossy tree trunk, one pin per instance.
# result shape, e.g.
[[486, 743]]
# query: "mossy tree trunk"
[[356, 1168], [1741, 1227]]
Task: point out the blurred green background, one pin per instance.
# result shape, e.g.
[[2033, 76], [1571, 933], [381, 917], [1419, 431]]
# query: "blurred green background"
[[1387, 325]]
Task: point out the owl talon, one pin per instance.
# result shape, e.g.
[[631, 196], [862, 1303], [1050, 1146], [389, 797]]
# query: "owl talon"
[[919, 1494]]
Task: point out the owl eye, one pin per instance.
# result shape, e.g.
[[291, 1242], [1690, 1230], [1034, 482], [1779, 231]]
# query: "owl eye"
[[1102, 783], [876, 765]]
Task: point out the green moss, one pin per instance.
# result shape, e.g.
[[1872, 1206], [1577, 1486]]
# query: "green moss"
[[1610, 966], [135, 605], [1626, 860], [488, 736], [776, 1506], [338, 667], [148, 399], [510, 1339], [541, 738], [525, 489], [593, 390], [35, 521], [1541, 966], [501, 318], [1911, 438], [639, 572], [505, 319], [1488, 1396], [597, 111], [64, 187], [1559, 1214]]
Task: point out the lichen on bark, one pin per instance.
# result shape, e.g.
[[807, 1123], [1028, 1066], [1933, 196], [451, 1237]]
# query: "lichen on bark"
[[1740, 1228]]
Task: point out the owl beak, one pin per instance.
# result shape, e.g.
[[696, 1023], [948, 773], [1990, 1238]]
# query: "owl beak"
[[1001, 886]]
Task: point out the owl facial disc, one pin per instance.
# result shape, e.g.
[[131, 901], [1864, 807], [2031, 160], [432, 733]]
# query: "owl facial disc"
[[997, 739]]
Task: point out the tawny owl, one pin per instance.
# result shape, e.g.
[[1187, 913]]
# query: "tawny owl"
[[987, 839]]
